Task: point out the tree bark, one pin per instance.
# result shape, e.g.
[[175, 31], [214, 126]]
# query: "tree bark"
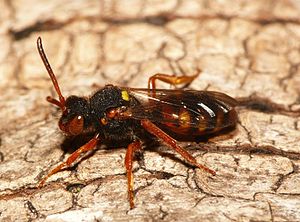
[[246, 49]]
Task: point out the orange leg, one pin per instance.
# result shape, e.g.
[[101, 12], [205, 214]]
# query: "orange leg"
[[173, 80], [153, 129], [128, 164], [86, 147]]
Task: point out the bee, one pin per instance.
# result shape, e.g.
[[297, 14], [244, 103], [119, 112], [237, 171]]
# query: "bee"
[[116, 113]]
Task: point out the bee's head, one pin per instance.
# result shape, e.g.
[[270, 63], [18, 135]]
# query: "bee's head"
[[74, 109], [75, 115]]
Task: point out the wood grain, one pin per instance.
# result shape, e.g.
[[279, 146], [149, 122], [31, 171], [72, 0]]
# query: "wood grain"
[[247, 49]]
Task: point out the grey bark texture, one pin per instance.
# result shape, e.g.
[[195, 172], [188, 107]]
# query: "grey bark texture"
[[247, 49]]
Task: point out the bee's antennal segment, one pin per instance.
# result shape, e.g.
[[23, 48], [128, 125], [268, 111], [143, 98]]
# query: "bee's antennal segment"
[[54, 101], [61, 102]]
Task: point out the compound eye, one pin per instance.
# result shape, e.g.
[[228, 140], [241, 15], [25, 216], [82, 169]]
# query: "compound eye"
[[75, 126]]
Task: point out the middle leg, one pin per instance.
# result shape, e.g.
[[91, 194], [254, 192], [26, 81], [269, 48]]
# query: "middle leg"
[[128, 164]]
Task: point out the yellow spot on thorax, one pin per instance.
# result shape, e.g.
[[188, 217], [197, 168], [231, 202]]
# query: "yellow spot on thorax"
[[125, 95]]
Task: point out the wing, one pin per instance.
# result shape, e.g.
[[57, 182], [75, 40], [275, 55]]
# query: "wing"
[[184, 111]]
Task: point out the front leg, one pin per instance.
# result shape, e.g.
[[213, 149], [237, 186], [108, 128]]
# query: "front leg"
[[86, 147]]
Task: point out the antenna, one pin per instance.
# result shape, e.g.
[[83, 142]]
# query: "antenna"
[[62, 101]]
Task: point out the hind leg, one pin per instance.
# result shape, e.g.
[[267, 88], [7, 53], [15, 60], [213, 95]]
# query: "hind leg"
[[171, 79]]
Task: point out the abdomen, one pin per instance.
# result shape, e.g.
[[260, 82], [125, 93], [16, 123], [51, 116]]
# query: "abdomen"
[[185, 112], [196, 114]]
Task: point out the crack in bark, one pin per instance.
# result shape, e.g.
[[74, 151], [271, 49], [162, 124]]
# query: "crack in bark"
[[291, 73], [23, 191], [279, 182], [282, 178], [163, 214], [228, 217], [48, 25], [1, 154], [160, 174], [271, 211], [75, 188], [296, 125], [162, 19], [1, 157], [249, 137], [157, 20], [33, 213]]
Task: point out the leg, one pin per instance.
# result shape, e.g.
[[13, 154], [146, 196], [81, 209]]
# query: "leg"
[[173, 80], [153, 129], [86, 147], [128, 164]]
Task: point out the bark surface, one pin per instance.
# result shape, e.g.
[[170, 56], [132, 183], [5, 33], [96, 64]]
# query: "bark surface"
[[247, 49]]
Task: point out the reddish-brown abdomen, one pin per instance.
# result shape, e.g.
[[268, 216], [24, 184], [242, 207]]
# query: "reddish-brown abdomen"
[[198, 114]]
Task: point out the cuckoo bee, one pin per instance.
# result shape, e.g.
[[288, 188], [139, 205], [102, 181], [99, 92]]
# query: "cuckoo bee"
[[116, 113]]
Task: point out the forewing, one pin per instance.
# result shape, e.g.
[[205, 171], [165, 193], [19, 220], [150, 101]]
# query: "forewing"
[[166, 106]]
